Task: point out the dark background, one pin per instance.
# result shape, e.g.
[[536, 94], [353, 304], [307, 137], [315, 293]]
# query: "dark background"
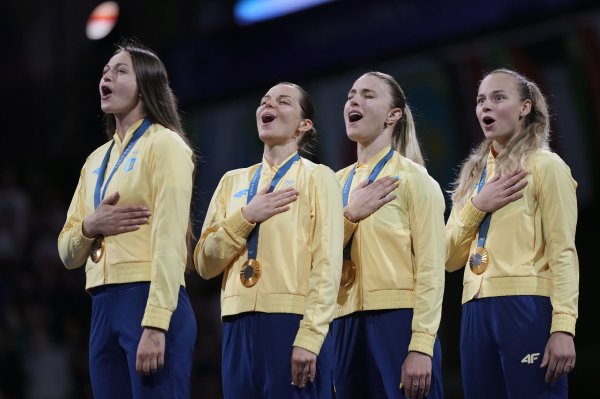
[[437, 50]]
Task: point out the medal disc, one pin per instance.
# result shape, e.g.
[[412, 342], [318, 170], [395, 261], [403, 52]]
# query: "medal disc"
[[348, 273], [97, 249], [250, 273], [478, 261]]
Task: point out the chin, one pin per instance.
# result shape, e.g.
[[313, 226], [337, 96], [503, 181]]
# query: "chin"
[[354, 135]]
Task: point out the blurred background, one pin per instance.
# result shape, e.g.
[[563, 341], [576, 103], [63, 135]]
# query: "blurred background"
[[220, 62]]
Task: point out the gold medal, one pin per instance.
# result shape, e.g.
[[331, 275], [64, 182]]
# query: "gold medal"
[[479, 260], [348, 273], [250, 273], [97, 249]]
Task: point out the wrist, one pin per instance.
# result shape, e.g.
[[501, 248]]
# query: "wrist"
[[348, 215], [154, 330], [87, 228], [246, 216], [477, 205]]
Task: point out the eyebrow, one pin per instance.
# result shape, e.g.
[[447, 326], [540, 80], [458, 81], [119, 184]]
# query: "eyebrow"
[[118, 64], [279, 96], [363, 91], [494, 92]]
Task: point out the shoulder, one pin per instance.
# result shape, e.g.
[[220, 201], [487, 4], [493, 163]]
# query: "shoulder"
[[317, 170], [162, 137], [547, 165], [239, 173], [415, 174], [95, 158], [543, 158], [100, 151]]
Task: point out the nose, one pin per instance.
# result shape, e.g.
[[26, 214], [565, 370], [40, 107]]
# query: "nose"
[[269, 103], [485, 105], [107, 75]]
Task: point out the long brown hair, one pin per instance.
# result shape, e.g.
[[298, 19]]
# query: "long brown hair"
[[534, 135]]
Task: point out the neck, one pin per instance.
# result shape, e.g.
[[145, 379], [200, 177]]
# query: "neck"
[[275, 154], [497, 148], [366, 150], [124, 121]]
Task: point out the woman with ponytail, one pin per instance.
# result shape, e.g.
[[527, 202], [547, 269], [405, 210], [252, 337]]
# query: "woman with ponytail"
[[390, 298], [512, 227], [274, 230]]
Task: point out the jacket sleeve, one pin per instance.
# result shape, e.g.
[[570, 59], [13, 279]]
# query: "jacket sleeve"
[[171, 171], [326, 249], [73, 247], [426, 206], [558, 206], [223, 236], [461, 230]]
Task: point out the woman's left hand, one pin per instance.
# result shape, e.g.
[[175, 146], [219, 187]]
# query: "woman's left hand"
[[304, 366], [559, 356], [151, 351]]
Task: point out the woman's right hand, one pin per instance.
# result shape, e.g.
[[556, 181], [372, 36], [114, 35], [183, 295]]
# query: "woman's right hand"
[[110, 219], [265, 204], [500, 191], [367, 198]]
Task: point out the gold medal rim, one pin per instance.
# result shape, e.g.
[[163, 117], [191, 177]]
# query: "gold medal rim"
[[97, 249], [348, 273], [249, 282], [478, 269]]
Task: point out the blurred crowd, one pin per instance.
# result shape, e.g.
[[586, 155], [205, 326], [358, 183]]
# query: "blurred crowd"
[[45, 310]]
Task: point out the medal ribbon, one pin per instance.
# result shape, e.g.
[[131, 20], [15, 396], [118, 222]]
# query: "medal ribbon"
[[100, 190], [372, 177], [253, 237], [485, 223]]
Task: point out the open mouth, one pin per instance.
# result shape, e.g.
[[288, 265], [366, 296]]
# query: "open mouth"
[[354, 116], [488, 120], [105, 90], [267, 118]]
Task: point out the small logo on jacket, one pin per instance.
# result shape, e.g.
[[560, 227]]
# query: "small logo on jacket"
[[129, 165], [241, 193], [530, 358]]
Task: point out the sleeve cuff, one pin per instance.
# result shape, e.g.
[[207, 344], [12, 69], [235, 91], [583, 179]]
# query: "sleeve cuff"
[[564, 323], [421, 342], [238, 225], [309, 340], [470, 215], [80, 239], [349, 228], [157, 318]]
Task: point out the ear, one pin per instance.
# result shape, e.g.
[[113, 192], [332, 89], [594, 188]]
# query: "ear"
[[525, 108], [394, 115], [305, 125]]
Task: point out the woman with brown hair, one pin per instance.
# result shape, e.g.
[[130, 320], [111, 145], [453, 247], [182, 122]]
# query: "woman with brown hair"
[[274, 230], [128, 222]]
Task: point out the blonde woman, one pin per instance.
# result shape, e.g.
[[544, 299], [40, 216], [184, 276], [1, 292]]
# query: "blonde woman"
[[512, 227], [390, 299]]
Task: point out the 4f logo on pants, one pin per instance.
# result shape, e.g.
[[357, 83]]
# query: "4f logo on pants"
[[530, 358]]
